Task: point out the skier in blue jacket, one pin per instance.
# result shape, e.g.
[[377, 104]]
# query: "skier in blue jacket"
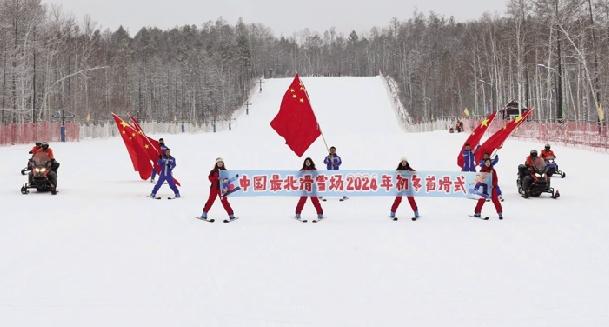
[[167, 163], [333, 162], [162, 147], [469, 160]]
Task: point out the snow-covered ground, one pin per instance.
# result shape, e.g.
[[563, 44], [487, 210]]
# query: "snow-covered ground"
[[102, 254]]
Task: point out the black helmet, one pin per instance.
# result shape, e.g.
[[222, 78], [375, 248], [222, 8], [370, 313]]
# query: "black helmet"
[[533, 153], [45, 146], [38, 144], [547, 147]]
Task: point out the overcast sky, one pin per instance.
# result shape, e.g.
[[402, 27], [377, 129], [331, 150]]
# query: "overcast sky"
[[283, 17]]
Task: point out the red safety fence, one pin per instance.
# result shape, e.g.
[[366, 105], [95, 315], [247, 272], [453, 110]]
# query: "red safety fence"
[[38, 132], [585, 134]]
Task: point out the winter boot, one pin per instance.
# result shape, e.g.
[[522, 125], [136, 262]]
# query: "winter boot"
[[152, 195], [320, 216], [297, 216], [477, 215], [177, 195], [204, 215]]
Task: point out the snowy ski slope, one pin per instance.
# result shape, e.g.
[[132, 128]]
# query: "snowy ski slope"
[[102, 254]]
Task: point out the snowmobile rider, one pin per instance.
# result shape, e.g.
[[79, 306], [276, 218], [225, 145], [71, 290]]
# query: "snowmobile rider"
[[547, 154], [535, 164]]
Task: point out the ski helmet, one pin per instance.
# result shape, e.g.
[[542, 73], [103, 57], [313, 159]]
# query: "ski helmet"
[[533, 153], [547, 146]]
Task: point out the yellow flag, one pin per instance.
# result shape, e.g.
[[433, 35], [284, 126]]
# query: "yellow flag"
[[601, 112], [466, 112]]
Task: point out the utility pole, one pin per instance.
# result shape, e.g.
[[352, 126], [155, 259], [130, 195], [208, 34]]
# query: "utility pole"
[[247, 107], [260, 82], [559, 113]]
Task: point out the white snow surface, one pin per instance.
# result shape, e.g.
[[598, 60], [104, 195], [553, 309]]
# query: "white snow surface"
[[103, 254]]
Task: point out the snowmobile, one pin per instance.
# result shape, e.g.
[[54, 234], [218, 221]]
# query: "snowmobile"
[[540, 183], [553, 169], [41, 175]]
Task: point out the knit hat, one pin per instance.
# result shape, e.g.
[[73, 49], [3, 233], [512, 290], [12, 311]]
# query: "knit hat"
[[219, 159], [403, 159]]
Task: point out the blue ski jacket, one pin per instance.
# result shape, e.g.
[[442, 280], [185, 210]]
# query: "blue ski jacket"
[[167, 165], [469, 160], [333, 163]]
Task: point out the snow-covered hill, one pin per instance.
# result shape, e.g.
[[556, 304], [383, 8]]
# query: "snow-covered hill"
[[103, 254]]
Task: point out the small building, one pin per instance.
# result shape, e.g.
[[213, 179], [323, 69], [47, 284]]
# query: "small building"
[[511, 111]]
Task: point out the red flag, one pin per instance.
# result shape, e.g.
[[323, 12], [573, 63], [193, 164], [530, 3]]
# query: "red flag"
[[495, 142], [144, 153], [135, 123], [121, 125], [135, 146], [476, 135], [296, 121]]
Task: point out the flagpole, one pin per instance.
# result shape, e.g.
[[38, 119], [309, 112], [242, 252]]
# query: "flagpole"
[[323, 138]]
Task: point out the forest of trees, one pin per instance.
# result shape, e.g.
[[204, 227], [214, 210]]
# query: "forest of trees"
[[547, 54]]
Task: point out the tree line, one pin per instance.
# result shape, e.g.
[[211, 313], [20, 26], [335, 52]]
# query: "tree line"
[[547, 54]]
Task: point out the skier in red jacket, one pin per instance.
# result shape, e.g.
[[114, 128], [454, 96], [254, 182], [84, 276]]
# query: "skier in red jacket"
[[214, 191], [308, 164], [488, 168], [404, 165]]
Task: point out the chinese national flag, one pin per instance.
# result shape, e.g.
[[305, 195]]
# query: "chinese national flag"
[[144, 152], [134, 142], [476, 135], [495, 142], [296, 121], [121, 125]]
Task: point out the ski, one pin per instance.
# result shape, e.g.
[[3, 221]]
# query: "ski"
[[206, 220], [414, 218], [483, 218], [301, 220], [226, 221], [340, 199]]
